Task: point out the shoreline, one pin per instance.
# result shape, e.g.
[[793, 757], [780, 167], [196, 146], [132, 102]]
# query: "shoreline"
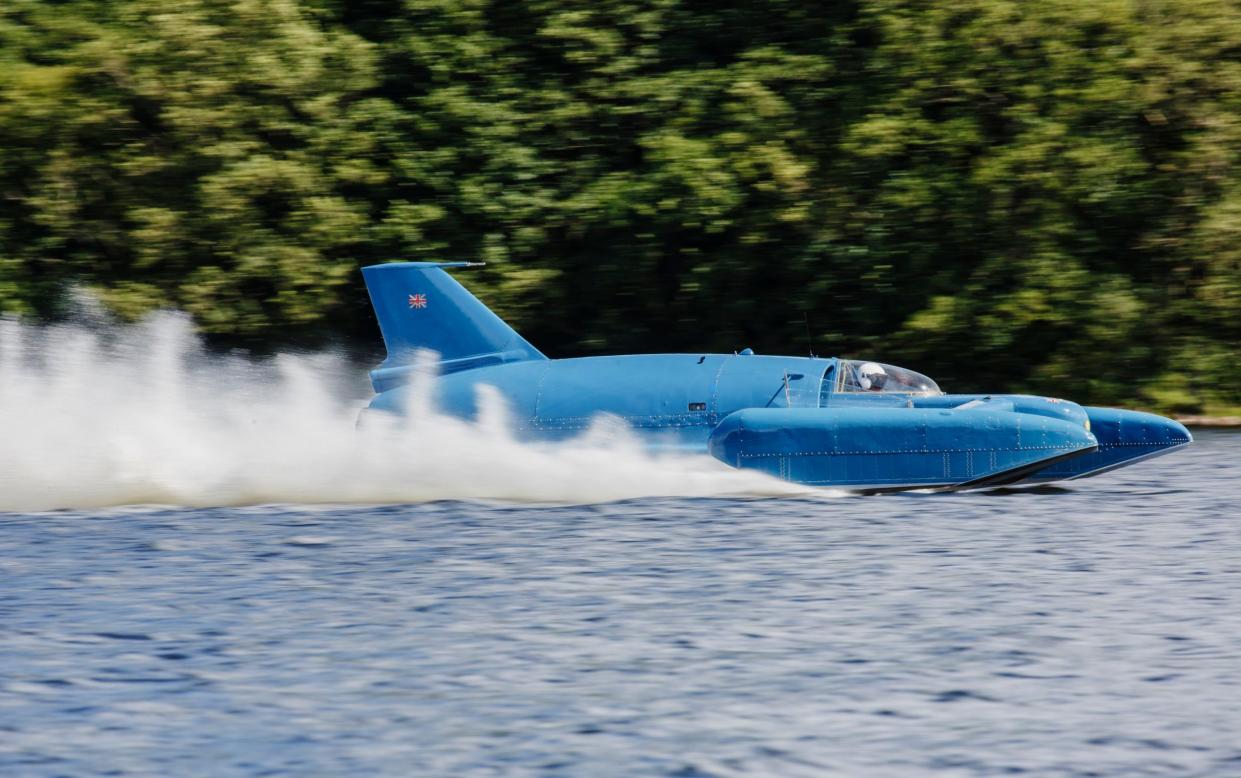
[[1216, 422]]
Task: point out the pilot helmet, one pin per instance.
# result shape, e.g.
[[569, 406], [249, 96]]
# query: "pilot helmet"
[[871, 375]]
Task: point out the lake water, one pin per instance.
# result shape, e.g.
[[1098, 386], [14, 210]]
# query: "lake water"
[[1093, 629]]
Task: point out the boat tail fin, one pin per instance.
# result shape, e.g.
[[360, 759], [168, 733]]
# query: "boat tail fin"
[[421, 307]]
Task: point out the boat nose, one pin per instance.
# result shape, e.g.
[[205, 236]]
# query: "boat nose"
[[1177, 432], [1121, 429], [1125, 438]]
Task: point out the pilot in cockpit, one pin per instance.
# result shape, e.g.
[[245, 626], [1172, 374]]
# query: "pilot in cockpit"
[[872, 377], [876, 378]]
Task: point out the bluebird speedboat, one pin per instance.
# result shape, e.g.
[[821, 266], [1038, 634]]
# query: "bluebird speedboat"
[[854, 424]]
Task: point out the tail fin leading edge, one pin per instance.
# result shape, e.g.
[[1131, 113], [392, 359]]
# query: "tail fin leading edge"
[[419, 306]]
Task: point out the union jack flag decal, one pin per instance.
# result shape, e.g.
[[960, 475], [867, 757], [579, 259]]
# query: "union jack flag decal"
[[418, 300]]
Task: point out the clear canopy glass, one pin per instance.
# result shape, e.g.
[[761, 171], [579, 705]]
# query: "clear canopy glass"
[[858, 375]]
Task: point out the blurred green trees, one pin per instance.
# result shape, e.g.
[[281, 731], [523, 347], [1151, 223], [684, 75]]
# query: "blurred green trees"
[[1005, 195]]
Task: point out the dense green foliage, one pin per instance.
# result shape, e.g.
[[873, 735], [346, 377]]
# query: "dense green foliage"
[[1005, 195]]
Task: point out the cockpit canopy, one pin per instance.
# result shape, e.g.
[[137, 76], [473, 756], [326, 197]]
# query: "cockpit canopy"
[[857, 375]]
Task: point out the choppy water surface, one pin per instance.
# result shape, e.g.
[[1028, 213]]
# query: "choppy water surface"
[[1094, 630]]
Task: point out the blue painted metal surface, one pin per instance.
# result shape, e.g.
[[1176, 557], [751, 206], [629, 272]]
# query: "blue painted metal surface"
[[831, 422], [419, 306], [1125, 437], [864, 447]]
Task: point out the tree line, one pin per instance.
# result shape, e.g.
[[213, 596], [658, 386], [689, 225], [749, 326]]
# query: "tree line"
[[1004, 195]]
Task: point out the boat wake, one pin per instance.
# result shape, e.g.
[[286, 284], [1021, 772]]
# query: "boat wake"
[[100, 414]]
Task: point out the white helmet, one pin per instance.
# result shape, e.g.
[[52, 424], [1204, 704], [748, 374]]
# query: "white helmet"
[[872, 375]]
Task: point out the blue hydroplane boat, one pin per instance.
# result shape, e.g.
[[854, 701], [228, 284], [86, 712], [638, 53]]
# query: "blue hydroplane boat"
[[853, 424]]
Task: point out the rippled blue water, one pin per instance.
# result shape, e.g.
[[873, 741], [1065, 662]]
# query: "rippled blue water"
[[1091, 630]]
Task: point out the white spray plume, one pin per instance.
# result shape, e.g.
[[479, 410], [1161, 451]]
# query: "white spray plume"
[[97, 415]]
